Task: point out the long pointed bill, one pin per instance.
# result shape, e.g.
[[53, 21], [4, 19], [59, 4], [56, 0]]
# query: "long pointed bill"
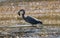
[[19, 13]]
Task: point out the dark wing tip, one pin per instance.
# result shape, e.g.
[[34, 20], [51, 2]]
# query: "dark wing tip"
[[40, 22]]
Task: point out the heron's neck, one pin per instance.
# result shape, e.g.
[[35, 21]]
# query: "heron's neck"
[[23, 16]]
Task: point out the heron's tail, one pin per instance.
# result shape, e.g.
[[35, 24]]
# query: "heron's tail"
[[40, 22]]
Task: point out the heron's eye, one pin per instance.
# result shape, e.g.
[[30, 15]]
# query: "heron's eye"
[[21, 12]]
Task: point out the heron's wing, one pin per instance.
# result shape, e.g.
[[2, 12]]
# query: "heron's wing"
[[31, 20]]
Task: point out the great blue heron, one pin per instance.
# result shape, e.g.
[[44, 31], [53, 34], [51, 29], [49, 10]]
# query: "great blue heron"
[[29, 19]]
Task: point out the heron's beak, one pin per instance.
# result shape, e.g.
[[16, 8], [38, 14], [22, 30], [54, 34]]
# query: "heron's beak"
[[19, 13]]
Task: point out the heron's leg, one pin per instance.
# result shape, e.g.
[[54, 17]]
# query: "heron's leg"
[[33, 25], [43, 29], [40, 26]]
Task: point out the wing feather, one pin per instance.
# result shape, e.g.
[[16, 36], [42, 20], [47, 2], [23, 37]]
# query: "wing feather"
[[31, 20]]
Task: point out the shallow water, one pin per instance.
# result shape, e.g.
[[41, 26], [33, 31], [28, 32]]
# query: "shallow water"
[[49, 32]]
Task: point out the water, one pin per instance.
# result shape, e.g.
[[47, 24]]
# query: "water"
[[46, 32], [49, 32], [50, 36]]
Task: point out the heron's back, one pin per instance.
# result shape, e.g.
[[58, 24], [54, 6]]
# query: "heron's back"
[[31, 20]]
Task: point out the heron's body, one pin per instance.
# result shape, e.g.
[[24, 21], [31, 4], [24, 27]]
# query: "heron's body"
[[29, 19]]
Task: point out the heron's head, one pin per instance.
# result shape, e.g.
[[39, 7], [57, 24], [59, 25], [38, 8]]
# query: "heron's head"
[[20, 12]]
